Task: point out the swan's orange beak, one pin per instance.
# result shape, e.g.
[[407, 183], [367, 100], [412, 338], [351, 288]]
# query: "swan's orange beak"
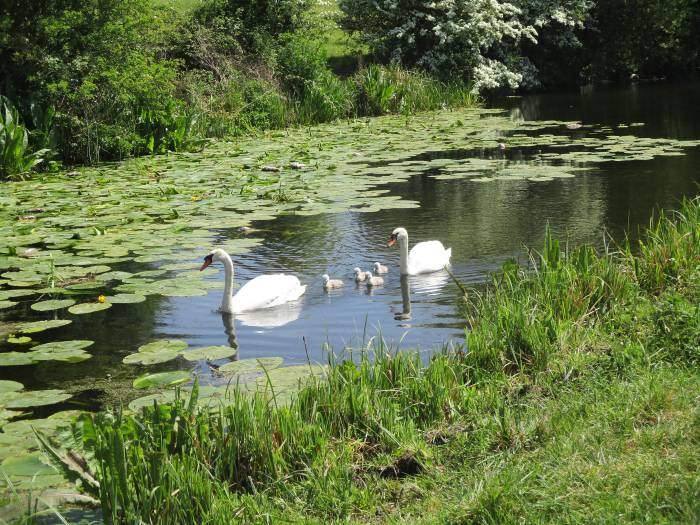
[[392, 240], [207, 262]]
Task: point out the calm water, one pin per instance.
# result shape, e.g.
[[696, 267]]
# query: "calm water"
[[484, 224]]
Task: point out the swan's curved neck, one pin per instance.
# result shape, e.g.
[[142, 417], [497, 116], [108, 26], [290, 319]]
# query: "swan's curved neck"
[[227, 300], [403, 248]]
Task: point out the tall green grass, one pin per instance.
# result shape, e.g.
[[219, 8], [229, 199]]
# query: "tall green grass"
[[573, 340]]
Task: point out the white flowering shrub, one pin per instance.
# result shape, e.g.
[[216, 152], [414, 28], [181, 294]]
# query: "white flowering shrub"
[[457, 37], [478, 40]]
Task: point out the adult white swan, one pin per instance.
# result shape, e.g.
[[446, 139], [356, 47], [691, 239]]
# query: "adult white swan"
[[425, 257], [265, 291]]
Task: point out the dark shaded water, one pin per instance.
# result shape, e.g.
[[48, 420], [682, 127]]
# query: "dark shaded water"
[[484, 224]]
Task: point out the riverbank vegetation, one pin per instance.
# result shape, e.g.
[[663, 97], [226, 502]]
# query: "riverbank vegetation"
[[120, 78], [575, 400], [103, 80]]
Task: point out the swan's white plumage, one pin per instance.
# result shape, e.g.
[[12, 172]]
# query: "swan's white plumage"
[[266, 291], [428, 256]]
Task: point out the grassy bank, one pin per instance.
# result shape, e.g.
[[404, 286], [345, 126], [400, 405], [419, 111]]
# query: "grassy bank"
[[576, 402]]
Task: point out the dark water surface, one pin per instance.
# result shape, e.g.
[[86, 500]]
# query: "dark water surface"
[[484, 224]]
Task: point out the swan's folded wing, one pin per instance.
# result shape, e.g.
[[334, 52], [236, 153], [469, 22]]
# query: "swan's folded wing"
[[428, 256], [266, 291]]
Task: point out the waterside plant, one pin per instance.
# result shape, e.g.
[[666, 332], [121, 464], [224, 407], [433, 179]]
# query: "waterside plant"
[[574, 399]]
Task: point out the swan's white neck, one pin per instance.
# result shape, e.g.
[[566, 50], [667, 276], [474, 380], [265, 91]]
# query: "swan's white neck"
[[227, 300], [403, 249]]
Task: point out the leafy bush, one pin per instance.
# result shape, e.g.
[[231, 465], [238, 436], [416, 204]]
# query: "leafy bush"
[[300, 62], [98, 64], [251, 25]]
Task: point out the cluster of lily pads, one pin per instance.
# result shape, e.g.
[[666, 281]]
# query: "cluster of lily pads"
[[248, 375], [20, 458]]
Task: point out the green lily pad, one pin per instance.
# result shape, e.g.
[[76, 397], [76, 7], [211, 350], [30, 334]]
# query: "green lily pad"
[[88, 308], [125, 298], [21, 340], [27, 466], [10, 294], [156, 352], [209, 353], [113, 276], [92, 285], [62, 346], [247, 366], [23, 284], [10, 386], [35, 398], [166, 396], [52, 304], [7, 304], [162, 379], [40, 326], [290, 377], [15, 359]]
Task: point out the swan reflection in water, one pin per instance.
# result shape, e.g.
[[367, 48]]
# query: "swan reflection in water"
[[429, 283], [405, 314], [424, 284], [271, 317], [266, 318], [229, 321]]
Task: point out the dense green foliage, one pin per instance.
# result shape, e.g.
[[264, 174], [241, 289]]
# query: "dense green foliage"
[[132, 77], [574, 403], [15, 157], [529, 43]]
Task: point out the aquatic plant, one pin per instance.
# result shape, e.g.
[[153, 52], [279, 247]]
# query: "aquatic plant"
[[16, 157]]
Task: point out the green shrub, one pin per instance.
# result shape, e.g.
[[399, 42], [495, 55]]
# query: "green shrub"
[[300, 60]]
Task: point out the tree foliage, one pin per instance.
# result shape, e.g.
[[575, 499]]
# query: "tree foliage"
[[530, 43]]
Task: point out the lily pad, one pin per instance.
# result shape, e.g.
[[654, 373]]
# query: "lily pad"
[[7, 304], [62, 346], [21, 340], [89, 308], [125, 298], [15, 359], [52, 304], [113, 276], [10, 386], [147, 401], [39, 326], [26, 466], [247, 366], [290, 377], [162, 379], [210, 353], [156, 352], [36, 398]]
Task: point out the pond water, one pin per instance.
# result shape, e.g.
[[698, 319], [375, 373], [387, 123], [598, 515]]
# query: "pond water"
[[441, 177]]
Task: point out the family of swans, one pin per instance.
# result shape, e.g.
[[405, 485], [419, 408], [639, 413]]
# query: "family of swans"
[[266, 291]]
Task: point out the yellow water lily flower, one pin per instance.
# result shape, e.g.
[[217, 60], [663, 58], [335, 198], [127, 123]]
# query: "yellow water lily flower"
[[101, 299]]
